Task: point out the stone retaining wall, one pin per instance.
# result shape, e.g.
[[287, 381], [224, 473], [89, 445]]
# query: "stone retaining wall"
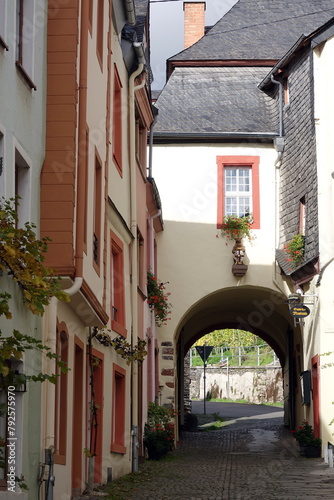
[[254, 384]]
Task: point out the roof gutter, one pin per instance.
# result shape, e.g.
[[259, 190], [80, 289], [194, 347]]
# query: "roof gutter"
[[216, 135], [282, 62]]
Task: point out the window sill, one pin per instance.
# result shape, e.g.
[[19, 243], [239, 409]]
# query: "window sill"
[[117, 448], [118, 328], [25, 75], [60, 459]]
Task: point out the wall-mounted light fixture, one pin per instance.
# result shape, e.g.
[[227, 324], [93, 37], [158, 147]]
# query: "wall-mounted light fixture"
[[20, 382]]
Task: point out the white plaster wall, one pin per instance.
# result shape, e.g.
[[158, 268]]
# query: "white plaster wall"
[[191, 258], [186, 177], [324, 119]]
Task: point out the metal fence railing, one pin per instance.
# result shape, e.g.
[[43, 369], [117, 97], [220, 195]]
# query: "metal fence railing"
[[261, 355]]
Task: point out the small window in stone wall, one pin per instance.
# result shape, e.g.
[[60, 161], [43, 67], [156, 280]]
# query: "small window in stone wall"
[[302, 215], [286, 91]]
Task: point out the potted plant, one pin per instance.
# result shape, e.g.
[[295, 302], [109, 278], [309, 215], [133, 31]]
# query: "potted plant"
[[159, 431], [310, 446], [236, 228]]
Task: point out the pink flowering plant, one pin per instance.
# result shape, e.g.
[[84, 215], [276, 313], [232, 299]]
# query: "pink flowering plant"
[[295, 250], [159, 431], [234, 227], [157, 299]]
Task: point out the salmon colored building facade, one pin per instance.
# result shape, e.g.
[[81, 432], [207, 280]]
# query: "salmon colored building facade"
[[100, 210]]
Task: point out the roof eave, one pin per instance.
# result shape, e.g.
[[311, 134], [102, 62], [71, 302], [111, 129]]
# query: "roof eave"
[[283, 62], [163, 137], [205, 63]]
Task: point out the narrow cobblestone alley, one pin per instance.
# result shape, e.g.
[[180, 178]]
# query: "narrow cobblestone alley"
[[252, 458]]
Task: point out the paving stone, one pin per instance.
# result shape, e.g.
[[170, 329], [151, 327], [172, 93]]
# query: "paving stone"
[[248, 460]]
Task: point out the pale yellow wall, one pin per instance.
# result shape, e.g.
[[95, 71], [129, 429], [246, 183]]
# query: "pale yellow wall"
[[190, 257], [324, 119]]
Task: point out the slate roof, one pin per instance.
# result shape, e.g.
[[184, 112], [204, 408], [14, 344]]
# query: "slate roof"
[[259, 29], [218, 100]]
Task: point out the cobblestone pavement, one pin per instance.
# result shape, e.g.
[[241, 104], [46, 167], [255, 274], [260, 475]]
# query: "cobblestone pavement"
[[249, 459]]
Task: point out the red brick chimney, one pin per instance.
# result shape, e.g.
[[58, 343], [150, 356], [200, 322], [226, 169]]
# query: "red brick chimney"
[[194, 20]]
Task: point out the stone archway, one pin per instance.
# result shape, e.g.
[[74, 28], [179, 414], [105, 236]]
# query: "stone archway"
[[259, 310]]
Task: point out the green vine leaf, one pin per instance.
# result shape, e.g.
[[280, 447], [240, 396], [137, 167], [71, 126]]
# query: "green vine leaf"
[[122, 347]]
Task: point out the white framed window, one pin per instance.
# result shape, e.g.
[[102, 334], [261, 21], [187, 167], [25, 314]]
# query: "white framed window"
[[238, 191], [22, 188], [302, 215]]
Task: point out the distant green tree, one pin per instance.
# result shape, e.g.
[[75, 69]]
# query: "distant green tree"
[[230, 338]]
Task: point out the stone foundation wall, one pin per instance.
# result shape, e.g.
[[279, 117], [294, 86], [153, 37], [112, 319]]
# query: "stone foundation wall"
[[254, 384]]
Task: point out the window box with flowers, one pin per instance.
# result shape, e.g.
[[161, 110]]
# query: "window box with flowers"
[[157, 299], [295, 250]]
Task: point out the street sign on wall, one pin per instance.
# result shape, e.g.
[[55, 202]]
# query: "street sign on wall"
[[299, 311]]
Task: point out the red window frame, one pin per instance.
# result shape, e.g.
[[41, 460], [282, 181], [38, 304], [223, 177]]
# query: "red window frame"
[[117, 122], [118, 410], [117, 302], [61, 398], [99, 32], [238, 161], [97, 212]]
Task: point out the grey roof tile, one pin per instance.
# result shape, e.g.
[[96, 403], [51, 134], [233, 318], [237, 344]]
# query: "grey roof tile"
[[259, 29], [216, 100]]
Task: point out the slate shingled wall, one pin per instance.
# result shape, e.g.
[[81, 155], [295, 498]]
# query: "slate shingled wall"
[[298, 171]]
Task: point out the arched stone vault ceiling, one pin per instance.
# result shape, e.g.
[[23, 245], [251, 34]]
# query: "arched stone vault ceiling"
[[258, 310]]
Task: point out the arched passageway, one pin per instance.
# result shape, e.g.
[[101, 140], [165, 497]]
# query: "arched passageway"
[[258, 310]]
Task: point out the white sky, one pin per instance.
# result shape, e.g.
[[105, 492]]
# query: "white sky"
[[167, 31]]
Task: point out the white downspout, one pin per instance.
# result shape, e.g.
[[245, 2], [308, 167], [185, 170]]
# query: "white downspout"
[[279, 145], [133, 249], [153, 325]]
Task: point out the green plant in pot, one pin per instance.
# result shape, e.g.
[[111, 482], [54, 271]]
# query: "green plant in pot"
[[310, 445], [159, 431]]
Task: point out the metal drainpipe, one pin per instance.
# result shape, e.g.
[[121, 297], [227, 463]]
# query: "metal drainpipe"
[[152, 366], [279, 144], [150, 150], [133, 249], [280, 98]]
